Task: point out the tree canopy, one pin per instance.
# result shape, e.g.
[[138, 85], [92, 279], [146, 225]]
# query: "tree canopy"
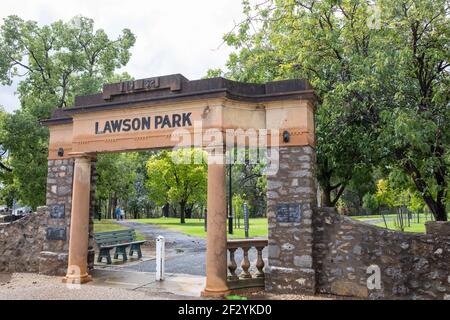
[[53, 63], [172, 180], [382, 74]]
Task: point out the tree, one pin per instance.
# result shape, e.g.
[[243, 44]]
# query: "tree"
[[249, 181], [116, 174], [172, 181], [415, 119], [382, 78], [329, 43], [55, 63]]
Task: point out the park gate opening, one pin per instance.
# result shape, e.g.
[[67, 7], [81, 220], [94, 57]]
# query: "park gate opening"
[[171, 112]]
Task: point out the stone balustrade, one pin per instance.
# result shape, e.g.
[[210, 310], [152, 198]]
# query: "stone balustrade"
[[245, 278]]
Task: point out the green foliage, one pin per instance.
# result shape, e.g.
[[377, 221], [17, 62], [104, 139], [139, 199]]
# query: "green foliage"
[[249, 183], [55, 63], [26, 142], [392, 194], [370, 202], [332, 50], [214, 73], [238, 204], [382, 81], [116, 175], [178, 176]]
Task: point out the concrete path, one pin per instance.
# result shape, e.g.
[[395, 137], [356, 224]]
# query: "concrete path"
[[176, 286], [184, 254], [106, 285], [377, 220]]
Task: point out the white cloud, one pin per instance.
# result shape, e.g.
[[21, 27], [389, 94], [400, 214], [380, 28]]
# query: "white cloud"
[[173, 36]]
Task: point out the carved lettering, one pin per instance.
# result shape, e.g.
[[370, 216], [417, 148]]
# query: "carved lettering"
[[143, 123]]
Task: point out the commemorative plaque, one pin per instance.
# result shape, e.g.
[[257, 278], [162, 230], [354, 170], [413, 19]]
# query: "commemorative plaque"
[[56, 233], [288, 212], [57, 211]]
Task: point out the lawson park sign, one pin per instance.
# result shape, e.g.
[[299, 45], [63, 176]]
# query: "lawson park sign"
[[144, 123]]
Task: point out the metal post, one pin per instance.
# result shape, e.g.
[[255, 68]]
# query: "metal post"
[[246, 222], [160, 247], [205, 218]]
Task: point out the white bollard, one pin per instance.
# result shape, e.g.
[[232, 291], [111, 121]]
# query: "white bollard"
[[160, 247]]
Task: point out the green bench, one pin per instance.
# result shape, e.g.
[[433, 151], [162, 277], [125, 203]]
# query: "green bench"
[[120, 240]]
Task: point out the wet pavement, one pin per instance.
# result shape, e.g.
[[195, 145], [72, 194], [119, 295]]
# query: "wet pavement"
[[173, 285]]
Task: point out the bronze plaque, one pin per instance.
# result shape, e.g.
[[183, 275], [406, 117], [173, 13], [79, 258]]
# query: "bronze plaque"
[[56, 233], [57, 211], [288, 212]]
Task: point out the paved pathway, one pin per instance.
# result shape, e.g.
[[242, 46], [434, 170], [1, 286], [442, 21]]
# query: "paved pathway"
[[184, 254], [377, 220], [106, 285]]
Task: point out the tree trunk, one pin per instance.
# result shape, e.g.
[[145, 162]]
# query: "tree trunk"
[[165, 210], [98, 207], [182, 211], [108, 209], [189, 212], [114, 205], [437, 207], [326, 197]]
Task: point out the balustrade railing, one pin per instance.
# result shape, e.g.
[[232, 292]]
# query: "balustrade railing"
[[246, 279]]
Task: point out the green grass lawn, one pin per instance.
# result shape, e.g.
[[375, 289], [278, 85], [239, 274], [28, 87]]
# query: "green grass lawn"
[[106, 225], [414, 227], [393, 225], [195, 227]]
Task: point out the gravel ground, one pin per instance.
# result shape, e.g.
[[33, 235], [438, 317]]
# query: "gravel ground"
[[31, 286]]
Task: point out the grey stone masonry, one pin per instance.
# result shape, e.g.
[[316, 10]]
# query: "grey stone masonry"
[[291, 197], [21, 242], [411, 265], [27, 245], [53, 260]]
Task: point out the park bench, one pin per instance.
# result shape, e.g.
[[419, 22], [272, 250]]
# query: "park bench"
[[120, 240]]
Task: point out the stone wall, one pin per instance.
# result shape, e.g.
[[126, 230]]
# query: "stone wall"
[[27, 246], [293, 190], [22, 241], [413, 266], [59, 193]]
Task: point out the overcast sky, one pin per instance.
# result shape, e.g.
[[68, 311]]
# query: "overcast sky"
[[172, 36]]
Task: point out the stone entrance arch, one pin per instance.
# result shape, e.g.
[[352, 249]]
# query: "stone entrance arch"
[[170, 111]]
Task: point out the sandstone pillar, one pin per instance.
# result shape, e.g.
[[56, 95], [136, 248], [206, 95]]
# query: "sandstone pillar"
[[216, 247], [77, 270]]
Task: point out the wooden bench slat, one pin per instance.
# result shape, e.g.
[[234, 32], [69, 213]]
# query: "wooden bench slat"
[[119, 239]]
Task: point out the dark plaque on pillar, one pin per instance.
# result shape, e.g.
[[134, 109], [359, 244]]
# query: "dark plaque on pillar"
[[57, 211], [288, 212], [56, 233]]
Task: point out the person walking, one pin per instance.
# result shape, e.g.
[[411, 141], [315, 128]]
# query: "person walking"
[[122, 214], [117, 213]]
